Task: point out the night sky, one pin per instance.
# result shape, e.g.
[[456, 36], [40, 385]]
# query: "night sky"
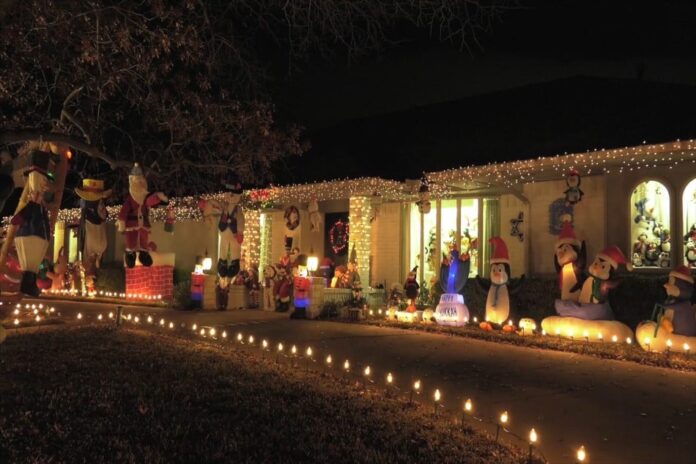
[[550, 77]]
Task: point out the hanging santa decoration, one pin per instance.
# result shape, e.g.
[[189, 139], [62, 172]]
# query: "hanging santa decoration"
[[92, 231], [134, 217], [423, 202], [33, 228], [292, 226]]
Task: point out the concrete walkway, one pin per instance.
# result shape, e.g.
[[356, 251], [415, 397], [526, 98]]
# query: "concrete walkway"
[[621, 412]]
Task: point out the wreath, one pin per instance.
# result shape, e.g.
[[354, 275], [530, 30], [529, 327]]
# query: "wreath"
[[291, 224], [338, 237]]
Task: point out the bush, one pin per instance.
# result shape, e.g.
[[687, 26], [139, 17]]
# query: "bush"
[[329, 310], [182, 294], [111, 277]]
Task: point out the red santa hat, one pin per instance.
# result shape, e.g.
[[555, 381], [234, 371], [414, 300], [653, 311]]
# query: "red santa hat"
[[567, 235], [615, 257], [573, 172], [500, 251], [682, 272]]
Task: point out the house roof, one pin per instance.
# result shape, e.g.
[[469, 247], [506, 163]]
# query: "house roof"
[[561, 116]]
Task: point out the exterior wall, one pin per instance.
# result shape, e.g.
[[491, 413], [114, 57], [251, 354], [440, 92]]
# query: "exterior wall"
[[589, 220], [510, 207], [619, 190], [386, 245]]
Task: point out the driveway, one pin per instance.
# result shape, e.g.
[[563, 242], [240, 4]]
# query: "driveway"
[[621, 412]]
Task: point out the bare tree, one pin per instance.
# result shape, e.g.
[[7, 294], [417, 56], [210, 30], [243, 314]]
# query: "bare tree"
[[182, 85]]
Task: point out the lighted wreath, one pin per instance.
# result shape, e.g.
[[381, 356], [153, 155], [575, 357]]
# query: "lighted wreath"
[[292, 217], [338, 237]]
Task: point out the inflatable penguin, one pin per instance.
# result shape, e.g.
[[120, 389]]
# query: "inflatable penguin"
[[570, 257], [498, 300]]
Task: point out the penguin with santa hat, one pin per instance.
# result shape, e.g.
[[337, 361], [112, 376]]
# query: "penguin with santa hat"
[[570, 256], [602, 276], [498, 299]]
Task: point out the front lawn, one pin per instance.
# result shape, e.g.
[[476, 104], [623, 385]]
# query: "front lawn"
[[94, 394]]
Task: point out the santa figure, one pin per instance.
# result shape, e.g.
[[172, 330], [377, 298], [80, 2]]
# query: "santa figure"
[[33, 227], [134, 217], [92, 223]]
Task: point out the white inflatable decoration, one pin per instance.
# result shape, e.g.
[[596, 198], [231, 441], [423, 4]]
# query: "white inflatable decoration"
[[314, 215], [591, 318], [454, 272], [675, 329], [527, 326], [498, 299]]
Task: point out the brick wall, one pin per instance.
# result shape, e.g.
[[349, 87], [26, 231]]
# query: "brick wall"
[[150, 281]]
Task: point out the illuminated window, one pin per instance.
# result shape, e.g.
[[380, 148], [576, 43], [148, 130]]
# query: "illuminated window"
[[689, 206], [469, 228], [423, 248], [650, 225]]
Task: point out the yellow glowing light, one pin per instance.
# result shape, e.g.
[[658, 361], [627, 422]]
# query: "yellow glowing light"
[[16, 322], [251, 339], [475, 319], [367, 371], [329, 360], [79, 316], [280, 347], [38, 318], [533, 436], [162, 322], [504, 417], [212, 332], [16, 312], [628, 340], [614, 338], [149, 319], [582, 454], [309, 351], [202, 331], [293, 349], [224, 334], [510, 322], [437, 395], [417, 385], [346, 365], [669, 343], [207, 263], [137, 319], [99, 317], [171, 325], [264, 343], [558, 331], [686, 347], [600, 336], [468, 405], [390, 378], [647, 341], [240, 337], [194, 327], [543, 332], [111, 315], [312, 263]]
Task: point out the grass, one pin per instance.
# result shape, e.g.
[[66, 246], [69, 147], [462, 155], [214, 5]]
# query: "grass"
[[605, 350], [87, 394]]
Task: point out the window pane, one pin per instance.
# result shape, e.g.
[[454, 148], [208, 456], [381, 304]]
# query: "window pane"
[[689, 205], [650, 225], [470, 232]]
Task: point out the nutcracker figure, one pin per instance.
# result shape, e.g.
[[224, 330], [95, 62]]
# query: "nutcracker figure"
[[301, 289]]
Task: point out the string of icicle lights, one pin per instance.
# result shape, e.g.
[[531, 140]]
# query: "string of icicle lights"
[[506, 174], [603, 161]]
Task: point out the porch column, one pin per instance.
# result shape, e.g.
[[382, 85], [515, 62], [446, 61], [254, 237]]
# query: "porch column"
[[251, 246], [359, 236]]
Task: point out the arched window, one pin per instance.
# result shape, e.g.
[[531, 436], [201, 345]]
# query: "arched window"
[[650, 225], [689, 237]]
